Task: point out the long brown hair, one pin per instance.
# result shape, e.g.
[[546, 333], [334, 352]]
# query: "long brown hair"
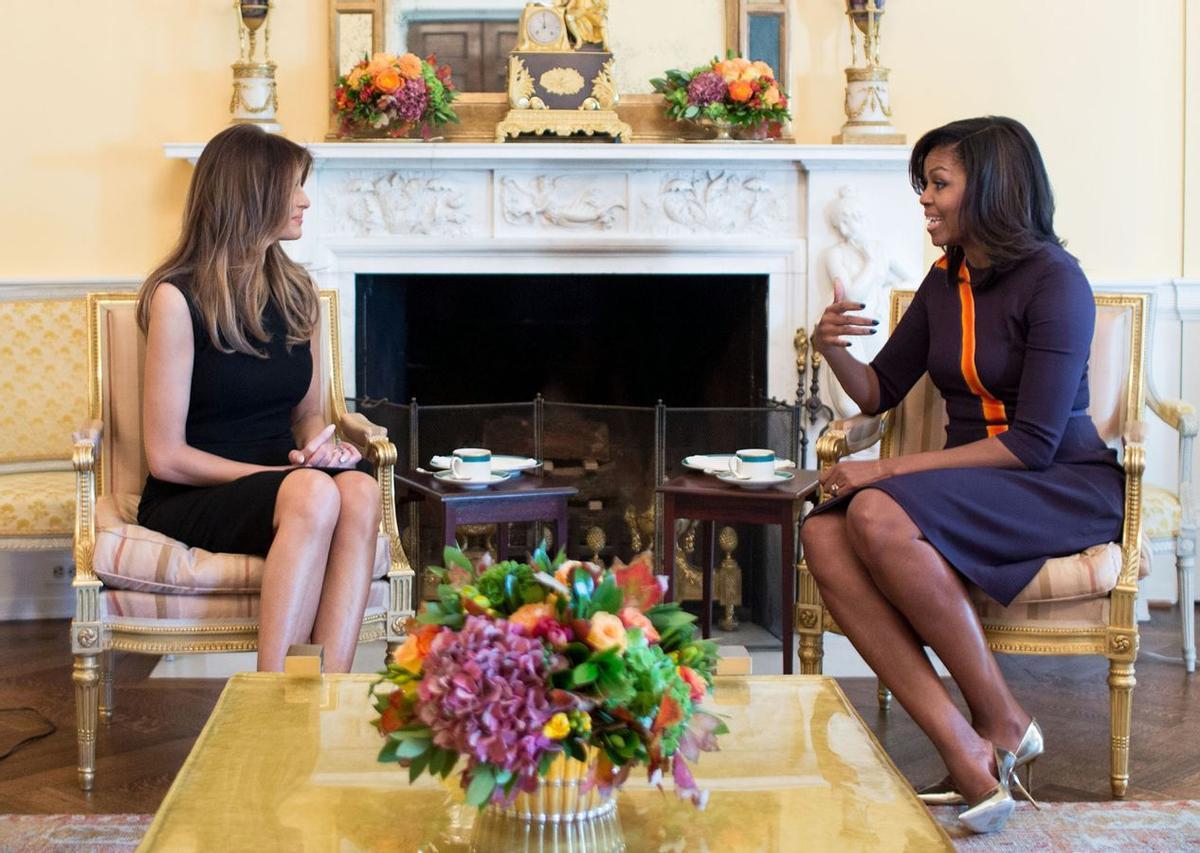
[[228, 253], [1008, 205]]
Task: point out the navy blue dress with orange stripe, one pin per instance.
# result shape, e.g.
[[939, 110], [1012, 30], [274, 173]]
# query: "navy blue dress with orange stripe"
[[1008, 351]]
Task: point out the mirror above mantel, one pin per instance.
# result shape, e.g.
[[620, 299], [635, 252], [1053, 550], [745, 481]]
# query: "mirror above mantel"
[[474, 37]]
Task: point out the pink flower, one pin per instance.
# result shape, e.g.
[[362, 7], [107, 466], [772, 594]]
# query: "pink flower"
[[631, 617], [695, 682]]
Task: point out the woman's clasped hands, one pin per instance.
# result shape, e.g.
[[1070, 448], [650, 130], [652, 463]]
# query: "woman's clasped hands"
[[325, 450], [837, 321]]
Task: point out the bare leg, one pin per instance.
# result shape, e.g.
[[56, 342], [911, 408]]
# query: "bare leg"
[[306, 509], [886, 641], [921, 584], [348, 574]]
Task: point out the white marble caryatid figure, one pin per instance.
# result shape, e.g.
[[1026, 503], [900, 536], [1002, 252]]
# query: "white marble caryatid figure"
[[868, 273]]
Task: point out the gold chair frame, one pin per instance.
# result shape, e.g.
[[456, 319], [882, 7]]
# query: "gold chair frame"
[[94, 638], [1117, 641]]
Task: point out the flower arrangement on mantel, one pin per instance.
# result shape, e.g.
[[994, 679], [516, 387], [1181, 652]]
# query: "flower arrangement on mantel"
[[387, 96], [726, 93], [518, 664]]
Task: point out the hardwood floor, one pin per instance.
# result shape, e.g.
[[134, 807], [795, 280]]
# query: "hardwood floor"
[[157, 720]]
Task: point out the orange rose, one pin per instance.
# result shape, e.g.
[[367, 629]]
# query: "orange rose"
[[379, 62], [387, 80], [410, 66], [771, 96], [741, 91], [607, 632], [527, 616], [416, 647], [631, 617], [728, 71], [695, 681]]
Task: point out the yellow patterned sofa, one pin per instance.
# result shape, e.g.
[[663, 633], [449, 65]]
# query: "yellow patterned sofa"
[[43, 393]]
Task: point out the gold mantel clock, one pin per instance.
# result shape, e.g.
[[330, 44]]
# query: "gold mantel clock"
[[560, 75]]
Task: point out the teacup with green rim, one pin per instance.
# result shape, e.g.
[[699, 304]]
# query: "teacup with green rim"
[[471, 463], [753, 464]]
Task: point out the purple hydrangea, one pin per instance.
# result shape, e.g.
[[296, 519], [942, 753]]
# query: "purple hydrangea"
[[411, 100], [707, 88], [485, 696]]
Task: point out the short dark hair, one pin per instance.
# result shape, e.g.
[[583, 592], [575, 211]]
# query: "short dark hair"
[[1007, 206]]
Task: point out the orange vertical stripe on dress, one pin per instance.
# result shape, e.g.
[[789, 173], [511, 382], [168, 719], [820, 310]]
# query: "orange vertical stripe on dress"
[[993, 409]]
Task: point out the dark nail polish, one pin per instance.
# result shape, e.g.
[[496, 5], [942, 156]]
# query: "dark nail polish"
[[874, 322], [873, 331], [862, 306]]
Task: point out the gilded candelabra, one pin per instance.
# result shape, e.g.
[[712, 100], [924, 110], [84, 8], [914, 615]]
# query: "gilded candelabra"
[[254, 100], [868, 102]]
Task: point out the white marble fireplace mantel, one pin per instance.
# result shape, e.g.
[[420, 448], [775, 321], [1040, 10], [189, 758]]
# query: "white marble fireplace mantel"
[[592, 208]]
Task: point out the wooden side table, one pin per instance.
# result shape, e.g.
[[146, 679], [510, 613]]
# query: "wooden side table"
[[520, 499], [704, 498]]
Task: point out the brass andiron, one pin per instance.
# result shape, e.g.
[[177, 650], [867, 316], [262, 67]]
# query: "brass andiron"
[[641, 527], [595, 540], [868, 102], [254, 100], [728, 582]]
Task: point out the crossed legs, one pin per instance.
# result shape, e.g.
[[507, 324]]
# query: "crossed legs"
[[318, 570], [892, 593]]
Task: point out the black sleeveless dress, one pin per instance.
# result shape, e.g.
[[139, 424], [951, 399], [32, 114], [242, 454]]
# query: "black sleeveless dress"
[[240, 408]]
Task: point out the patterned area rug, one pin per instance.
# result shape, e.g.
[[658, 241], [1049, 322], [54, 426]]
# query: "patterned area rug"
[[1169, 827], [100, 833], [1133, 825]]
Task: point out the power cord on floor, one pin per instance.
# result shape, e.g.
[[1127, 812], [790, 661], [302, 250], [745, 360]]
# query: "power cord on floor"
[[50, 729]]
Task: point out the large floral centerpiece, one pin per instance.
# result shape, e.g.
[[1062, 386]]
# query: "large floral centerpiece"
[[518, 666], [389, 95], [726, 93]]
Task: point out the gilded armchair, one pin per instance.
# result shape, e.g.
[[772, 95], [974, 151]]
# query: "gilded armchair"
[[43, 389], [140, 591], [1077, 605], [1169, 517]]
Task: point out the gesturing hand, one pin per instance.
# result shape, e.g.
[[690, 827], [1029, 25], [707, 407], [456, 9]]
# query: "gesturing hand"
[[325, 451], [836, 322], [846, 477]]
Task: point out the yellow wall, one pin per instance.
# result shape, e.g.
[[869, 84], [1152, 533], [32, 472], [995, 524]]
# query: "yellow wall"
[[1101, 86]]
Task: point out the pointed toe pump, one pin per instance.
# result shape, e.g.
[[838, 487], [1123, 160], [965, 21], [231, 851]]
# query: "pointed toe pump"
[[994, 810]]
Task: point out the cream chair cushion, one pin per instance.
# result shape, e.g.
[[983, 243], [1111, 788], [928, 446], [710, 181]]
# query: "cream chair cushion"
[[1161, 513], [134, 558], [224, 607], [43, 347], [38, 503]]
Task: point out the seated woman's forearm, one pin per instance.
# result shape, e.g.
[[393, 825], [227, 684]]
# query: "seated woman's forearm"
[[858, 379], [985, 453], [188, 466]]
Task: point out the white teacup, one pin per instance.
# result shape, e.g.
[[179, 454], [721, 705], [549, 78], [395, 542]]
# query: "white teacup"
[[471, 463], [753, 464]]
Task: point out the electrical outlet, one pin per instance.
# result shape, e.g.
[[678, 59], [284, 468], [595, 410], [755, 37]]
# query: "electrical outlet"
[[60, 575]]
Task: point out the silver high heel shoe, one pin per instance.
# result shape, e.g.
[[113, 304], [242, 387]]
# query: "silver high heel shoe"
[[993, 811], [1031, 747]]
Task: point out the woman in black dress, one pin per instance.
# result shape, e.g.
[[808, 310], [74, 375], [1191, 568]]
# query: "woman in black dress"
[[1003, 324], [240, 457]]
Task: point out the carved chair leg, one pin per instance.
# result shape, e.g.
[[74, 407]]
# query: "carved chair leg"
[[86, 676], [106, 684], [812, 653], [884, 696], [1185, 564], [1121, 683]]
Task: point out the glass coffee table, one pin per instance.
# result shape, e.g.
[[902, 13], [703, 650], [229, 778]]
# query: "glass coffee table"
[[289, 764]]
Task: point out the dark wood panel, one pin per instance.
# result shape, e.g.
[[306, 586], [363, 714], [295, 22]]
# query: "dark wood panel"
[[477, 51]]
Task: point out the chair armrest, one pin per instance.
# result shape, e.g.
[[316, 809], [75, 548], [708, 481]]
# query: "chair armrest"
[[85, 459], [849, 435], [1131, 533], [358, 430], [1179, 415]]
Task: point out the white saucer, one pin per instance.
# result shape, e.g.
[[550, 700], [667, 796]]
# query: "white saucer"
[[500, 463], [718, 463], [756, 483], [449, 479]]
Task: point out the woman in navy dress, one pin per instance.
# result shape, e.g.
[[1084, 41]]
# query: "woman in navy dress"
[[1003, 324], [240, 457]]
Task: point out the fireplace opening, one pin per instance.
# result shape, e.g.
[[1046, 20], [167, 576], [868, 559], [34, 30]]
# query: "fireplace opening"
[[602, 339]]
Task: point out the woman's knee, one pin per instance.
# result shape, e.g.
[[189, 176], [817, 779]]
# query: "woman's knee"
[[308, 495], [820, 537], [875, 522], [359, 494]]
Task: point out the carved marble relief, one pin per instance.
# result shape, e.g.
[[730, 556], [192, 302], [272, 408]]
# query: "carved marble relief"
[[370, 204], [561, 202], [717, 202]]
